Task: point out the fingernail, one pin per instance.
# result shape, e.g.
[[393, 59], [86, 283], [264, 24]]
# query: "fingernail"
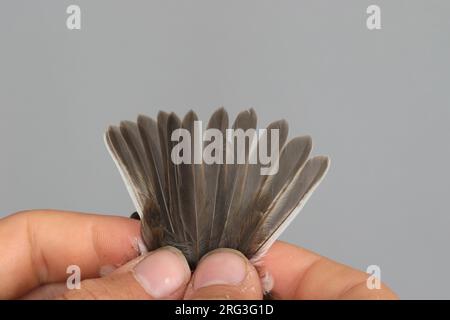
[[162, 272], [224, 266]]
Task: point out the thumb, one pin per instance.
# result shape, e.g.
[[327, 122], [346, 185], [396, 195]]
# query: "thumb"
[[160, 274], [224, 274]]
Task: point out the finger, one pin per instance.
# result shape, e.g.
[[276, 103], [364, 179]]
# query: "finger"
[[38, 246], [297, 273], [224, 274], [161, 274], [46, 292]]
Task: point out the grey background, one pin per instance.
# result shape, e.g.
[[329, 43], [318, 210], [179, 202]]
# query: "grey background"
[[376, 102]]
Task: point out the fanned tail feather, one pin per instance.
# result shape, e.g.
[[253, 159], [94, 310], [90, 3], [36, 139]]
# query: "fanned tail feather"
[[197, 206]]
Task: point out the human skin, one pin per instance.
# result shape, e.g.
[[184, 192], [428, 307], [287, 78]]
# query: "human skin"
[[39, 245]]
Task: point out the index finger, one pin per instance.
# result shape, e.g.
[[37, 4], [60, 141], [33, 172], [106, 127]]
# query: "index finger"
[[301, 274], [38, 246]]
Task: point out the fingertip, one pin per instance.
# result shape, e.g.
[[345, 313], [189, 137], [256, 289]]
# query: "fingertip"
[[224, 274], [225, 266], [163, 273]]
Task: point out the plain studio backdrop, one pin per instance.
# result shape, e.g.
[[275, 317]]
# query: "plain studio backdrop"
[[377, 102]]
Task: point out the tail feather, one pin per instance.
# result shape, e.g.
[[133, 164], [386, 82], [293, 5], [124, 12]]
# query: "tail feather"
[[148, 130], [167, 123], [191, 188], [292, 158], [255, 179], [198, 206], [214, 179], [126, 148], [288, 205], [236, 176]]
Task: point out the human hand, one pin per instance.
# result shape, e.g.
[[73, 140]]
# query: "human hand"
[[38, 246]]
